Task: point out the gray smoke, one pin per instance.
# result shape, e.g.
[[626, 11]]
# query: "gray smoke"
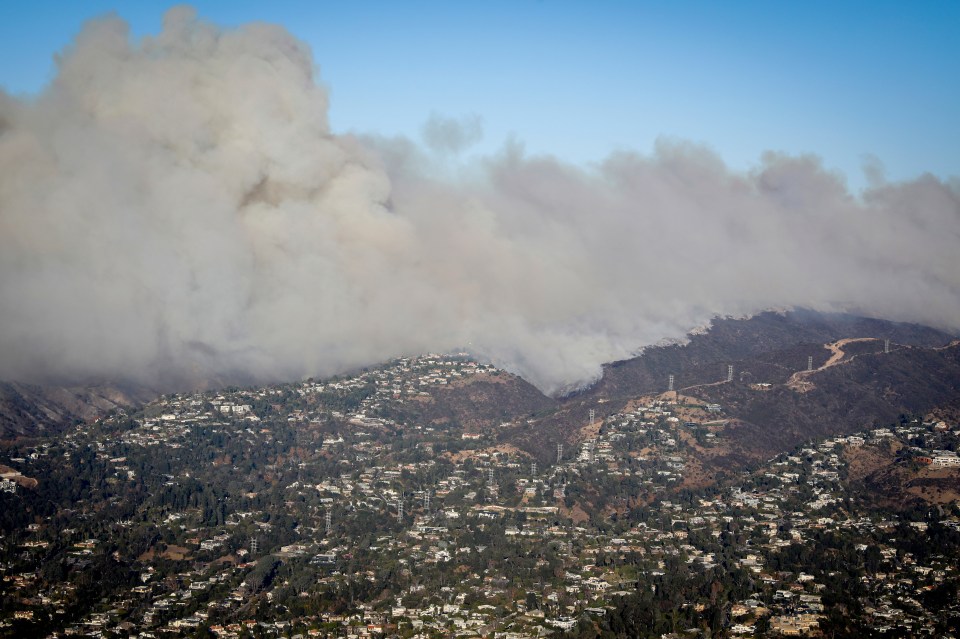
[[450, 135], [178, 208]]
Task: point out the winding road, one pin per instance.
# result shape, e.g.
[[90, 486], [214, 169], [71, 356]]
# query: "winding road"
[[798, 381]]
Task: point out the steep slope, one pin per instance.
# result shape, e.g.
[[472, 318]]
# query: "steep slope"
[[867, 386], [870, 389], [862, 387], [28, 410], [480, 403], [728, 341]]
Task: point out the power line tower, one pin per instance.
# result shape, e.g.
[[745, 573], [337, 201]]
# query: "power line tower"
[[809, 362], [426, 501], [559, 452], [329, 522], [592, 415], [729, 372], [533, 469], [490, 477], [254, 546], [400, 510], [670, 383], [886, 346]]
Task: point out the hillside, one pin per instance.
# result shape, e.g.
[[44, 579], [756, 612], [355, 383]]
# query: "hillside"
[[768, 348], [866, 386], [872, 389], [783, 340], [28, 410]]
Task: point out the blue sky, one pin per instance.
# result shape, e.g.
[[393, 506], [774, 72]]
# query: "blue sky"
[[842, 80]]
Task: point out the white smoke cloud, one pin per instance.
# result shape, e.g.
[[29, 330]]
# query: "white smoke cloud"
[[177, 208]]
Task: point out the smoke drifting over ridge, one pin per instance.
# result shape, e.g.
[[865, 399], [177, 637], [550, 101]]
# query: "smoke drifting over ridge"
[[178, 208]]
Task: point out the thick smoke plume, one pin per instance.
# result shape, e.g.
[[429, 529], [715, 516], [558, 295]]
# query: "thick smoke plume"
[[177, 208]]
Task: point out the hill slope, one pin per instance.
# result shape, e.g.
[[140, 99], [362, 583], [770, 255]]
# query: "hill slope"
[[866, 386], [28, 410]]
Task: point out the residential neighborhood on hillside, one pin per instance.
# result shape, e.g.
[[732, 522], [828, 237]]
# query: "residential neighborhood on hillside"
[[306, 510]]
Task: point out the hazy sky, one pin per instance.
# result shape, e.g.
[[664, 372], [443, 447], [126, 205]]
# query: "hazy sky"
[[843, 80]]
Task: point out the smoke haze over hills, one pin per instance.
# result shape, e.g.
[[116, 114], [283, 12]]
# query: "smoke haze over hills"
[[177, 208]]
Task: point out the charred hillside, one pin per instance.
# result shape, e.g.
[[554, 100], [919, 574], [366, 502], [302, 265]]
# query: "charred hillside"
[[769, 336], [867, 390], [28, 410], [870, 386], [865, 385]]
